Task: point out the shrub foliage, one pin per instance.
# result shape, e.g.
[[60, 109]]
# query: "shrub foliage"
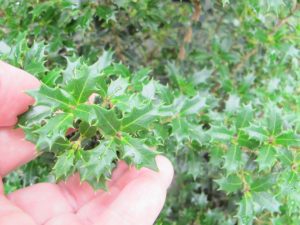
[[214, 85]]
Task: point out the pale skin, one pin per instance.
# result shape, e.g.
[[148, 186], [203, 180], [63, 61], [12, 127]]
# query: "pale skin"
[[134, 197]]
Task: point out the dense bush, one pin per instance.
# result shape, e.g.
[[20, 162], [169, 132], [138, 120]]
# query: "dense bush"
[[212, 84]]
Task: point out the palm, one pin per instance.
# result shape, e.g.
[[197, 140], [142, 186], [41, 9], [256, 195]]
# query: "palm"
[[134, 197]]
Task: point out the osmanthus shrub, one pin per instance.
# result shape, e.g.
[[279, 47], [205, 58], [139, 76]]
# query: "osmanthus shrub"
[[212, 84], [95, 116]]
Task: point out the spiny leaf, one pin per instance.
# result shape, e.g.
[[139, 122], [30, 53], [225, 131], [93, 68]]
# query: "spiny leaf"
[[53, 98], [233, 159], [266, 157], [83, 86], [288, 138], [107, 120], [230, 184], [274, 120], [135, 152], [244, 117], [245, 211], [64, 165], [54, 128], [265, 200], [221, 133], [96, 164], [139, 118], [117, 87], [264, 183], [257, 133]]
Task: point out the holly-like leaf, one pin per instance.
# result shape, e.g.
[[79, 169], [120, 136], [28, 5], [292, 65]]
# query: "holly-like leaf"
[[53, 98], [230, 184], [184, 106], [70, 71], [149, 90], [257, 133], [264, 183], [232, 104], [274, 120], [82, 86], [64, 165], [135, 152], [180, 129], [34, 116], [265, 200], [54, 128], [288, 138], [103, 62], [139, 118], [117, 87], [266, 157], [97, 164], [233, 159], [244, 117], [192, 106], [107, 120], [221, 133], [285, 156], [245, 211]]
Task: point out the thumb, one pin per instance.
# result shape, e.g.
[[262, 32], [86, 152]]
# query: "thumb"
[[1, 187]]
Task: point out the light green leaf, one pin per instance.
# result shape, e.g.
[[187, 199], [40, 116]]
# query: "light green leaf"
[[54, 129], [233, 159], [82, 86], [232, 103], [221, 133], [257, 133], [288, 138], [139, 118], [230, 184], [244, 117], [107, 120], [149, 90], [266, 157], [265, 200], [97, 164], [64, 165], [117, 87], [54, 98], [103, 61], [135, 152], [274, 120], [264, 183], [245, 211]]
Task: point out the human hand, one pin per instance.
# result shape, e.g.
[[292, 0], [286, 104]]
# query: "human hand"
[[134, 197]]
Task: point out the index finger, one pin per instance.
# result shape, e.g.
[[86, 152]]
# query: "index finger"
[[14, 149], [13, 99]]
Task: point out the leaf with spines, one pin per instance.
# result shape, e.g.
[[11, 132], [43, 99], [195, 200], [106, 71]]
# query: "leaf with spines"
[[288, 138], [64, 165], [233, 159], [53, 98], [274, 120], [139, 118], [82, 86], [54, 129], [230, 184], [264, 183], [266, 157], [107, 120], [97, 164], [245, 211], [244, 117], [257, 133], [135, 152], [265, 200]]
